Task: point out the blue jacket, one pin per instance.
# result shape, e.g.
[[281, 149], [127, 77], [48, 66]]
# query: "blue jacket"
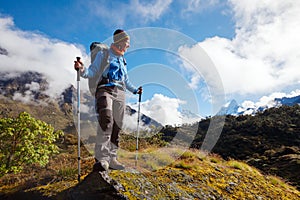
[[116, 72]]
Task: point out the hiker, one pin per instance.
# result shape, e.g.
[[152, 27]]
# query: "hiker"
[[110, 100]]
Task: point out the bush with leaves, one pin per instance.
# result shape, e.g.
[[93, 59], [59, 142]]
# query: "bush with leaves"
[[25, 140]]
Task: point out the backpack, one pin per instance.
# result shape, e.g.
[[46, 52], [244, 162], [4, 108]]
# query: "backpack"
[[95, 47]]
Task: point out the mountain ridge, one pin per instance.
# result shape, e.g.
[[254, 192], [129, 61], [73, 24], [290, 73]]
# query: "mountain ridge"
[[268, 140], [31, 87], [233, 108]]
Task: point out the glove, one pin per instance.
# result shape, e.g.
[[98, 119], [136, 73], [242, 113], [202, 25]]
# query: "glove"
[[78, 65], [139, 90]]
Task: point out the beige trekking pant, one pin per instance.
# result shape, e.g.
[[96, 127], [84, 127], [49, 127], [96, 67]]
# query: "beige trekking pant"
[[110, 109]]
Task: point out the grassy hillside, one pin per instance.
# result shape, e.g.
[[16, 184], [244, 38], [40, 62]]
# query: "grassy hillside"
[[163, 172], [60, 118], [198, 176], [194, 175]]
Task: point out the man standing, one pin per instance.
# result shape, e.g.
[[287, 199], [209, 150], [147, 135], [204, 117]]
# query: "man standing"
[[110, 100]]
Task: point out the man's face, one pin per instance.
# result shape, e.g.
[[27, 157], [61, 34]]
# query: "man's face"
[[124, 45]]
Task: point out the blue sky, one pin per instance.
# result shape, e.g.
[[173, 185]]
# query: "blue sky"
[[84, 21], [253, 46]]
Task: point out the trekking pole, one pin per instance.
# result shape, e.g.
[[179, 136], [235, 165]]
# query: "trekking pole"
[[138, 129], [78, 116]]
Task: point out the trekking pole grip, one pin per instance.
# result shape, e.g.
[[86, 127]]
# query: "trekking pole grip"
[[77, 69]]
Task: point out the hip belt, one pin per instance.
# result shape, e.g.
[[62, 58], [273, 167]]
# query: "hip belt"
[[106, 82]]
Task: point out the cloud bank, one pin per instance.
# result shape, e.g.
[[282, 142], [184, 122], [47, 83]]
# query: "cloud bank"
[[263, 57], [269, 101], [163, 109], [30, 51]]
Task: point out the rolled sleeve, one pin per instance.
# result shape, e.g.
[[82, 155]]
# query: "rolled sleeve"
[[129, 86]]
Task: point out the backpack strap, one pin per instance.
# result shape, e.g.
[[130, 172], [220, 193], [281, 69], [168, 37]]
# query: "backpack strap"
[[94, 81], [103, 67], [104, 62], [124, 61]]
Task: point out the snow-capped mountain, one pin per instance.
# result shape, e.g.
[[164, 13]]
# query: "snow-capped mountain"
[[250, 108], [230, 108], [288, 100]]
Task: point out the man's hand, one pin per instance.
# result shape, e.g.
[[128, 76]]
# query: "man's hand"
[[78, 65], [140, 90]]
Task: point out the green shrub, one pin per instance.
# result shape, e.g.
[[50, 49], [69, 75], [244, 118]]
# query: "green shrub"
[[24, 141]]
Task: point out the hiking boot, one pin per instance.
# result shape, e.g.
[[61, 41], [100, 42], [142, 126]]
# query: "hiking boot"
[[115, 164], [100, 166]]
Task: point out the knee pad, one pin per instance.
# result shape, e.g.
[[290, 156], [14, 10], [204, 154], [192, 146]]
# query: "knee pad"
[[105, 119]]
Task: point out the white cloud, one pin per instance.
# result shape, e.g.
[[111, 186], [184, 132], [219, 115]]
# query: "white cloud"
[[29, 51], [33, 86], [138, 11], [130, 122], [263, 57], [27, 98], [196, 61], [196, 6], [248, 104], [194, 82], [163, 109], [268, 100], [149, 11]]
